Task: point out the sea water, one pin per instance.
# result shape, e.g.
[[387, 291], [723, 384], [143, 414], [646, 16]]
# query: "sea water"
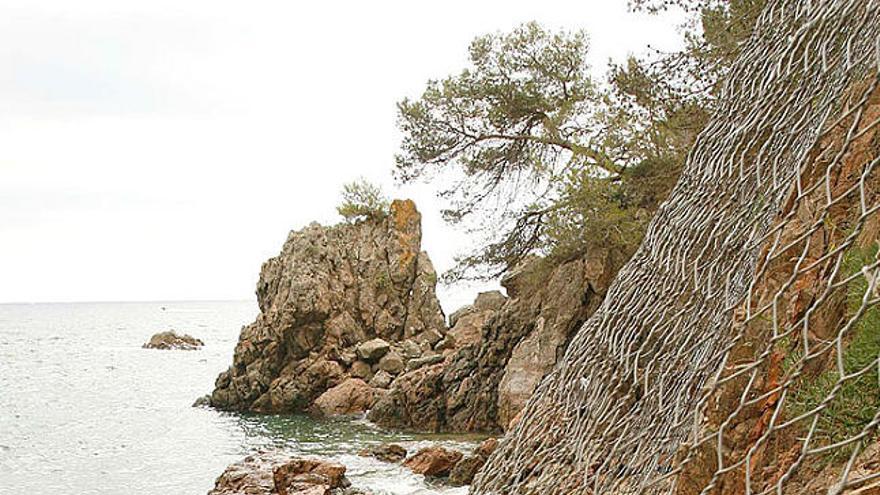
[[85, 410]]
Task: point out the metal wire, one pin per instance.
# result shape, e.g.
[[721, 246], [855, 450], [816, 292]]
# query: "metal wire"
[[729, 354]]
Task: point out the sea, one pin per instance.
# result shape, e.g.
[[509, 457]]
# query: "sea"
[[85, 410]]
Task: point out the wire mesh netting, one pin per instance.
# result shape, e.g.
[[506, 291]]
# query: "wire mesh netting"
[[739, 349]]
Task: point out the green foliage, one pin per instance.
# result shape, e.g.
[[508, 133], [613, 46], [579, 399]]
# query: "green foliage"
[[544, 160], [362, 200], [858, 399]]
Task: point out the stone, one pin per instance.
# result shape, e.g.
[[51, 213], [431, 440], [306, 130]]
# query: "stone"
[[489, 301], [414, 364], [333, 294], [387, 452], [462, 311], [463, 473], [382, 379], [308, 476], [392, 363], [372, 350], [433, 461], [360, 369], [203, 401], [170, 340], [428, 338], [351, 397], [410, 349], [276, 474], [447, 343]]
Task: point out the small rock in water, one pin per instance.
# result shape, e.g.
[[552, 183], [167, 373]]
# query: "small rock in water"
[[433, 461], [203, 401], [388, 452], [274, 474], [171, 340]]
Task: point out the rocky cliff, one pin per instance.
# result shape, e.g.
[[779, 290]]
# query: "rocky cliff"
[[340, 306], [505, 347]]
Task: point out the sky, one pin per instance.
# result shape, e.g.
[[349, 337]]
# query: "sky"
[[163, 150]]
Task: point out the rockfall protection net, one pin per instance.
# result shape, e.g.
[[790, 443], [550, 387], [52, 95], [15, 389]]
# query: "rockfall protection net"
[[739, 350]]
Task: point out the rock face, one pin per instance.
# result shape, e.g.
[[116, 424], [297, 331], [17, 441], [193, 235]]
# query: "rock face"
[[504, 347], [272, 474], [333, 304], [171, 340]]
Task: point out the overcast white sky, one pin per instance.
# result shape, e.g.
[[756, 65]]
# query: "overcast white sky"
[[161, 150]]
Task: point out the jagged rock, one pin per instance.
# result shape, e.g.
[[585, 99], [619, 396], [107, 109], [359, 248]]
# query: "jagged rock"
[[360, 369], [171, 340], [447, 343], [457, 314], [410, 349], [274, 474], [433, 461], [331, 291], [388, 452], [417, 363], [372, 350], [500, 355], [203, 401], [353, 396], [382, 379], [489, 301], [463, 473], [392, 363]]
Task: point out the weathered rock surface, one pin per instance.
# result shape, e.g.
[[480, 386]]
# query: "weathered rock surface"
[[433, 461], [171, 340], [273, 474], [353, 396], [388, 452], [332, 305], [463, 473], [503, 348]]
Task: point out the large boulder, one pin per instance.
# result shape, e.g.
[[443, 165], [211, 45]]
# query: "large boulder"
[[388, 452], [353, 396], [503, 348], [171, 340], [332, 303]]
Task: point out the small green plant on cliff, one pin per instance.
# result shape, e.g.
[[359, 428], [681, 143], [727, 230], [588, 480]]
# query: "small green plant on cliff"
[[857, 400], [362, 200]]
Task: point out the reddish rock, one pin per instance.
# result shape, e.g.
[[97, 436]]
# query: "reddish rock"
[[433, 461], [353, 396], [274, 474]]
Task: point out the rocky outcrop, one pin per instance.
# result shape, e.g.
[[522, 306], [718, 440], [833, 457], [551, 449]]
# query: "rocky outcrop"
[[337, 303], [504, 347], [171, 340], [273, 474]]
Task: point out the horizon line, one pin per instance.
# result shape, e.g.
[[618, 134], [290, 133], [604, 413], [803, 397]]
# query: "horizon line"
[[124, 301]]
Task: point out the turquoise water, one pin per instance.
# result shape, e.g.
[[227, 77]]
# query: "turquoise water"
[[85, 410]]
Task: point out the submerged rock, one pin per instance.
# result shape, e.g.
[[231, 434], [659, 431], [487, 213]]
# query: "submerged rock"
[[388, 452], [433, 461], [274, 474], [171, 340], [333, 304]]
